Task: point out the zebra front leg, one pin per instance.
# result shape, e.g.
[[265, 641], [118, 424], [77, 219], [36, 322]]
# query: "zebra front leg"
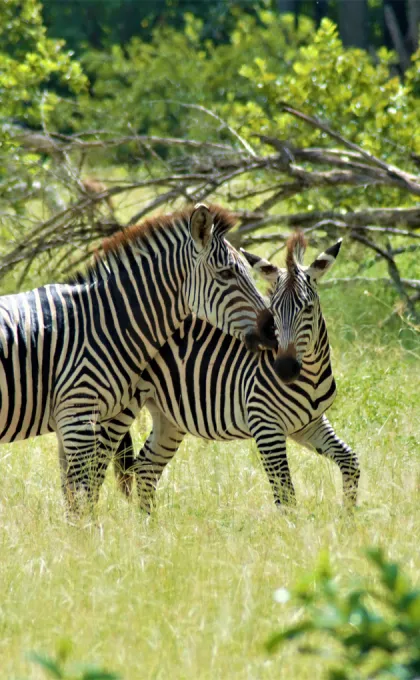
[[271, 443], [82, 453], [320, 436], [160, 447]]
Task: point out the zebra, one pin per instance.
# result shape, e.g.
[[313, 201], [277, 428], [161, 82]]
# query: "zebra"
[[208, 384], [72, 354]]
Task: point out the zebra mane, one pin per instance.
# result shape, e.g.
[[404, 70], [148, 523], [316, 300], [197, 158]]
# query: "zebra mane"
[[296, 246], [223, 221]]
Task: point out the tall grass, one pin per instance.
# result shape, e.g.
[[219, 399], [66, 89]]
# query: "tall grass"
[[188, 593]]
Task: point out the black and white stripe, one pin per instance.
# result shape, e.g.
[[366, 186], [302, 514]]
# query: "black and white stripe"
[[71, 355], [208, 384]]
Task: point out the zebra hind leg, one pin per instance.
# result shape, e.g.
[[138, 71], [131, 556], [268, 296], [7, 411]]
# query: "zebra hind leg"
[[320, 436], [124, 465], [160, 447], [119, 433]]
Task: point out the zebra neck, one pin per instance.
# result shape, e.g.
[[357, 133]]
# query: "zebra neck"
[[143, 293]]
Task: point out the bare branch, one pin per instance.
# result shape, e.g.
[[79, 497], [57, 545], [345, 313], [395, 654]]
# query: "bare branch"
[[406, 180]]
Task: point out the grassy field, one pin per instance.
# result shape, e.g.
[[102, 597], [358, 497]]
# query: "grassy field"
[[189, 593]]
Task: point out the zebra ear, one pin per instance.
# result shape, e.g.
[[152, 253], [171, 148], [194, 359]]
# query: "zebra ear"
[[201, 223], [263, 267], [324, 262]]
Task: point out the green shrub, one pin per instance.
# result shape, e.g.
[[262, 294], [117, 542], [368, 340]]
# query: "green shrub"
[[31, 63], [375, 633]]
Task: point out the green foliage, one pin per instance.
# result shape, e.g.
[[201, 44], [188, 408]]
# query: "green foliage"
[[265, 62], [59, 668], [182, 66], [376, 633], [30, 62], [347, 87]]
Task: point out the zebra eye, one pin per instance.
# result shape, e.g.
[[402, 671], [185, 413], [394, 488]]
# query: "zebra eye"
[[226, 274]]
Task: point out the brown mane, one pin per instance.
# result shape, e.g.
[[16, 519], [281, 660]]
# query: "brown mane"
[[296, 246], [223, 221]]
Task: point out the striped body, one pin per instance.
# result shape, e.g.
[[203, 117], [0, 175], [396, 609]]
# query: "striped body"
[[71, 355], [208, 384]]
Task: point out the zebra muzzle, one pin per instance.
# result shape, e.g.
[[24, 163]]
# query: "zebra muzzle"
[[287, 368]]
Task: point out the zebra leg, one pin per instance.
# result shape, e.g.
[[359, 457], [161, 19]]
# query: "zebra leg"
[[119, 431], [271, 443], [83, 451], [108, 442], [63, 466], [124, 462], [320, 436], [160, 447]]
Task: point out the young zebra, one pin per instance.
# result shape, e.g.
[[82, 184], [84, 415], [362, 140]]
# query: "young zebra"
[[71, 355], [208, 384]]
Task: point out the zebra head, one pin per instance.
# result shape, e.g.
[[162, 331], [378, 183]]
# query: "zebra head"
[[295, 303], [221, 289]]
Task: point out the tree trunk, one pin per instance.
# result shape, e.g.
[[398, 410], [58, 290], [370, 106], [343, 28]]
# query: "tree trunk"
[[353, 22], [287, 6], [396, 24], [321, 11], [413, 25]]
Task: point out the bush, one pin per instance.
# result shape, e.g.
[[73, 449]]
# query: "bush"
[[376, 632]]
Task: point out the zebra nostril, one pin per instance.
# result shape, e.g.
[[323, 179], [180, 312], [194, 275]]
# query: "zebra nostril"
[[287, 369]]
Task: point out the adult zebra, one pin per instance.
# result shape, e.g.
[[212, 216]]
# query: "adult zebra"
[[71, 355], [208, 384]]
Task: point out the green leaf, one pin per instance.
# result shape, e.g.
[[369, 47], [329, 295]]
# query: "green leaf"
[[46, 663], [289, 634], [97, 674]]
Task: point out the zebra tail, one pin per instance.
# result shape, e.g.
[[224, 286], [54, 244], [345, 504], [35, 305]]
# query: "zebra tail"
[[124, 461]]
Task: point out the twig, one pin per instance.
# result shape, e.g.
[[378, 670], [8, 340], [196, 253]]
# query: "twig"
[[405, 179], [410, 217], [330, 283], [203, 109], [396, 278]]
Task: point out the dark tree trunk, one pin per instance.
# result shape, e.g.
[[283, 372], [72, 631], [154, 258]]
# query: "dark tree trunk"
[[399, 9], [397, 30], [287, 6], [321, 10], [413, 24], [353, 22]]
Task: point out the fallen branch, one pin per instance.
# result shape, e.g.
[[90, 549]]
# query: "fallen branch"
[[256, 182]]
